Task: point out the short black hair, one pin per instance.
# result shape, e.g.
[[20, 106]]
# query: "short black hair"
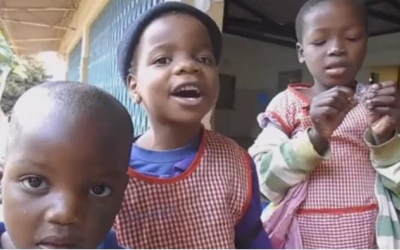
[[310, 4], [131, 38], [72, 100]]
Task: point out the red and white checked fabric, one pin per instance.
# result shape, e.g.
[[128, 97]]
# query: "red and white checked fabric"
[[341, 208], [198, 209]]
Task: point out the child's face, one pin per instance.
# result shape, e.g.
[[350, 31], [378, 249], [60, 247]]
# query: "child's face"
[[176, 73], [63, 185], [334, 42]]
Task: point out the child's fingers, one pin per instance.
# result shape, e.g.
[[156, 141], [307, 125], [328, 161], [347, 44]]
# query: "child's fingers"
[[382, 101], [337, 99], [387, 84], [328, 111], [343, 90], [384, 84], [385, 91], [389, 111]]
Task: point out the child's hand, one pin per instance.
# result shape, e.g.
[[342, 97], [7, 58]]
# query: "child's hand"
[[383, 110], [327, 112]]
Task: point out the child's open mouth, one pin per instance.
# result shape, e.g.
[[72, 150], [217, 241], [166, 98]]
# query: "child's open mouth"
[[188, 95], [188, 91]]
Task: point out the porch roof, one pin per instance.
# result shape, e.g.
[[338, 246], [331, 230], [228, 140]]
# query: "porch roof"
[[33, 26]]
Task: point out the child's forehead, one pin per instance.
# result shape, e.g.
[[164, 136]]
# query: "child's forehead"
[[59, 131], [329, 8], [331, 14], [68, 150]]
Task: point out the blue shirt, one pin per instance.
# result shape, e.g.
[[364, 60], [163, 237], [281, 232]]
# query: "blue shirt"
[[109, 243], [172, 163]]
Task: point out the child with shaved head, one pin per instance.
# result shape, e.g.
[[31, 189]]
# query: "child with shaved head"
[[64, 173]]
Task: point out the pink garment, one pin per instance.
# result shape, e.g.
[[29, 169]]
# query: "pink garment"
[[282, 226]]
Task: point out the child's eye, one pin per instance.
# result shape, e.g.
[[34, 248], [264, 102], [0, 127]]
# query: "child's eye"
[[34, 182], [205, 60], [353, 39], [162, 61], [100, 191], [318, 43]]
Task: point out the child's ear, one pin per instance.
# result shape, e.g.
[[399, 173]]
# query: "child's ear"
[[299, 48], [133, 88]]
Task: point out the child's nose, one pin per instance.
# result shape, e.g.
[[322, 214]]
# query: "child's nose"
[[336, 48], [64, 210], [186, 66]]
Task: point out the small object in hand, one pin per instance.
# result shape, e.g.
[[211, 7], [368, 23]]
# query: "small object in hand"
[[362, 92]]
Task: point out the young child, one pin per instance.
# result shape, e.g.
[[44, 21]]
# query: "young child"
[[65, 168], [189, 187], [331, 167]]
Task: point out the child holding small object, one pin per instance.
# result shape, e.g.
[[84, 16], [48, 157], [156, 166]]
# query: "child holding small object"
[[329, 160]]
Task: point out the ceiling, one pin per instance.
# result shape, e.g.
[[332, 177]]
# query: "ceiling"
[[273, 21], [33, 26]]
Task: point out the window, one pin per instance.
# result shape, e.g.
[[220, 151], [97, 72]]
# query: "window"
[[226, 98]]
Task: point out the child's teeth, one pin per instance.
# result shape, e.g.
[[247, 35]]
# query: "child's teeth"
[[188, 88]]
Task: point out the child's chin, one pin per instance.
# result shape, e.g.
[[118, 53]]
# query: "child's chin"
[[345, 82], [187, 118]]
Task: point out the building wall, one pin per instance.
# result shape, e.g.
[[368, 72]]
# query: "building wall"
[[256, 66], [387, 73], [105, 33], [74, 62]]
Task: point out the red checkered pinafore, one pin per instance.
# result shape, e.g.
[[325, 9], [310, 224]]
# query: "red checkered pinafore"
[[341, 208], [198, 209]]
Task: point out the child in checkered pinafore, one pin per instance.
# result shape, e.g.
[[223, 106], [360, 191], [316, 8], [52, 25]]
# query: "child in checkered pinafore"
[[188, 187], [328, 164]]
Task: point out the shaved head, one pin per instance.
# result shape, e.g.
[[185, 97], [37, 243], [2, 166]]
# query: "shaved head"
[[311, 5], [72, 103]]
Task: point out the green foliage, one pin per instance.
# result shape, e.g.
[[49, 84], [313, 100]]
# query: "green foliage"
[[7, 57], [16, 85], [26, 72]]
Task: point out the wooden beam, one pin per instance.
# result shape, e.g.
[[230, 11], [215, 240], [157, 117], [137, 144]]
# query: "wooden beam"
[[44, 25], [395, 4], [33, 9], [370, 3], [287, 30], [261, 37], [384, 16], [49, 39], [381, 33], [245, 6]]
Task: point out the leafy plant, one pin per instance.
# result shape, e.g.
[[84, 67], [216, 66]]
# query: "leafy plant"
[[18, 74], [9, 62]]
